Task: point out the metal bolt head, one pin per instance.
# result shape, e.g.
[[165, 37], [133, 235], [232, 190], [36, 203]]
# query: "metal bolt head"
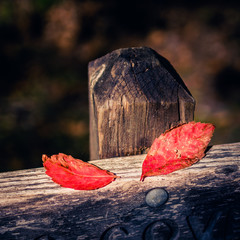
[[156, 197]]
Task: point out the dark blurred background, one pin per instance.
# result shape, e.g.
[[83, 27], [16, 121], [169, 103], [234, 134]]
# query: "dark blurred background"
[[45, 47]]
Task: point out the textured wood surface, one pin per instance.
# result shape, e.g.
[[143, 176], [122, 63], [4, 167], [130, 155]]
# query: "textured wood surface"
[[203, 203], [134, 96]]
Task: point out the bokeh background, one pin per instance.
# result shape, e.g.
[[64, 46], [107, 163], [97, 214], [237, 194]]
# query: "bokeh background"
[[45, 47]]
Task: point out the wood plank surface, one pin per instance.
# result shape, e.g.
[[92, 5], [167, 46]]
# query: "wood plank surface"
[[203, 202]]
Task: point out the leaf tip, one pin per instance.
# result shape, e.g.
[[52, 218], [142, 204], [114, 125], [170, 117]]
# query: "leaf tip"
[[44, 157], [142, 178]]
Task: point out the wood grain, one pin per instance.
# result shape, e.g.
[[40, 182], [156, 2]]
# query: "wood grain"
[[203, 202], [134, 95]]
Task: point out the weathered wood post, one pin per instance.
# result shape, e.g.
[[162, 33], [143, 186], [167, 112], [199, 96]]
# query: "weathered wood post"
[[134, 95]]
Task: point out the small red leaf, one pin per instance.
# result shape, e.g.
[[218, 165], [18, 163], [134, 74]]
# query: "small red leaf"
[[177, 148], [74, 173]]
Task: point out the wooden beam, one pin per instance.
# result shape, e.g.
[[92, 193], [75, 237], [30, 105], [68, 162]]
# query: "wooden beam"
[[199, 202]]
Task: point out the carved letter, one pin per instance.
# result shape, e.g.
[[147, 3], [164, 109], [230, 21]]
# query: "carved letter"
[[161, 229], [114, 233], [206, 234]]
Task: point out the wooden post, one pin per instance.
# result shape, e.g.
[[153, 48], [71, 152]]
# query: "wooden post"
[[134, 95]]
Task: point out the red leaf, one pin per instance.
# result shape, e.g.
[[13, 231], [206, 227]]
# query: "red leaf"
[[74, 173], [177, 148]]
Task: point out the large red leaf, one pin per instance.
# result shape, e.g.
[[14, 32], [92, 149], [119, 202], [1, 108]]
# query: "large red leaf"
[[177, 148], [74, 173]]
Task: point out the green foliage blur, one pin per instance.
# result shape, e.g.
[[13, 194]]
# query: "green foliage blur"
[[45, 47]]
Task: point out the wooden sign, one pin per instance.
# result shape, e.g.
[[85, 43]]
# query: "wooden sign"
[[134, 96], [198, 202]]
